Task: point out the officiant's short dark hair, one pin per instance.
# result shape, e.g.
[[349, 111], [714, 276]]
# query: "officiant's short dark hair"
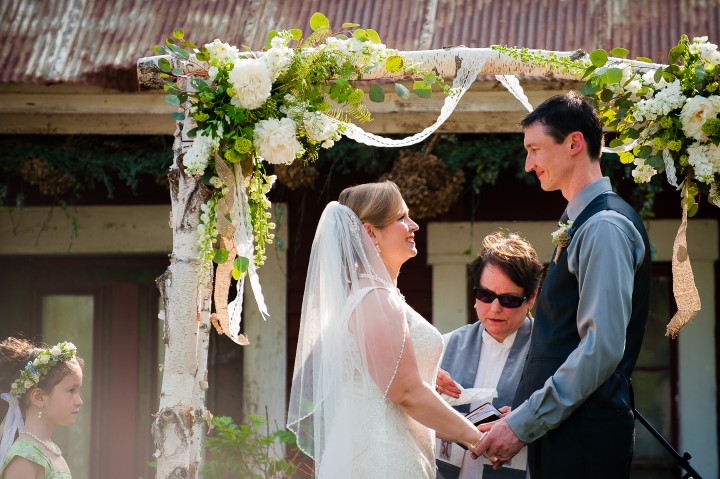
[[565, 113], [514, 256]]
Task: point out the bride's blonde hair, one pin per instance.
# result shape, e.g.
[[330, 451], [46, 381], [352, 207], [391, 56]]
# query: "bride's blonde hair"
[[376, 203]]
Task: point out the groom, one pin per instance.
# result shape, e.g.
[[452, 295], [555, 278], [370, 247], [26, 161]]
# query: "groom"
[[573, 405]]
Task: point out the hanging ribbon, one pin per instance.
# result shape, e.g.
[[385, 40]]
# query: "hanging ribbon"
[[12, 423], [686, 294]]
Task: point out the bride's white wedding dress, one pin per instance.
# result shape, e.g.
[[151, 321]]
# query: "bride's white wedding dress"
[[387, 443]]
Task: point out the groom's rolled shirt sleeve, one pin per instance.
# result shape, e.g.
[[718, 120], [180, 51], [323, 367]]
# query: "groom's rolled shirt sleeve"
[[604, 255]]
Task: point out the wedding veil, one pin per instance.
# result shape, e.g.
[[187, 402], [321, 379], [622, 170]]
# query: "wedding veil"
[[352, 335]]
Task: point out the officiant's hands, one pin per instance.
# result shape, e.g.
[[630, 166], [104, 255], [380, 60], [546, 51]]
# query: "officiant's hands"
[[444, 384], [500, 443]]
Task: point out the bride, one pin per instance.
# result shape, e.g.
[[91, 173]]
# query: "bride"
[[363, 402]]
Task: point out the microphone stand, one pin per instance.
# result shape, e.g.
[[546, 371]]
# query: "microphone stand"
[[683, 460]]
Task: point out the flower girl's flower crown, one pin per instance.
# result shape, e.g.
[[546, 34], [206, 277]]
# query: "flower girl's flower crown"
[[34, 370]]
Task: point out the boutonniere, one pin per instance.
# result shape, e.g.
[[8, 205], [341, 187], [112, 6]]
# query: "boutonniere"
[[561, 238]]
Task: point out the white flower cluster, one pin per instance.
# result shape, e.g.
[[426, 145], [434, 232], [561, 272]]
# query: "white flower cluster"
[[197, 157], [643, 172], [696, 111], [279, 57], [251, 83], [359, 53], [276, 142], [34, 370], [321, 128], [221, 52], [666, 100], [705, 160], [706, 51]]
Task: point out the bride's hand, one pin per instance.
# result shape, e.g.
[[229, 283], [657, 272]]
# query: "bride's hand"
[[446, 385]]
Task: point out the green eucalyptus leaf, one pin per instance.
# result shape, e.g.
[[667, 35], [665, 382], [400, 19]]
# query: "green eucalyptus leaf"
[[692, 210], [221, 255], [700, 72], [394, 64], [613, 75], [340, 36], [236, 274], [658, 75], [644, 151], [199, 83], [373, 35], [643, 59], [402, 91], [318, 21], [172, 99], [177, 116], [615, 142], [377, 93], [589, 70], [241, 263], [164, 65], [606, 95], [158, 50], [193, 133], [598, 58], [619, 52], [423, 92], [189, 45], [272, 34], [177, 72], [296, 34], [203, 55], [178, 33], [360, 34], [633, 133], [350, 25]]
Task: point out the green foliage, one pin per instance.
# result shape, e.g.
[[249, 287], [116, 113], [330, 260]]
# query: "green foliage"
[[248, 451]]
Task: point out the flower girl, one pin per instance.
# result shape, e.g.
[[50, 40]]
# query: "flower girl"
[[42, 387]]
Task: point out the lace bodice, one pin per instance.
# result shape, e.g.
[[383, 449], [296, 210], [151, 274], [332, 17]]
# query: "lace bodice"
[[386, 442]]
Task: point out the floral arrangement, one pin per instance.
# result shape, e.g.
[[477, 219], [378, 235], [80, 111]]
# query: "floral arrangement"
[[561, 237], [276, 106], [34, 370], [666, 117]]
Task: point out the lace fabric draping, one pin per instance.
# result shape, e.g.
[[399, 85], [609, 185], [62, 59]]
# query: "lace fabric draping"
[[352, 335], [12, 423]]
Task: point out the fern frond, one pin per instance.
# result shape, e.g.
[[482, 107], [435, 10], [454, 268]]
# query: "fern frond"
[[359, 112]]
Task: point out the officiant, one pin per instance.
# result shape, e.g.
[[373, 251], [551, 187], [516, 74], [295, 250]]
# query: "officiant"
[[490, 353]]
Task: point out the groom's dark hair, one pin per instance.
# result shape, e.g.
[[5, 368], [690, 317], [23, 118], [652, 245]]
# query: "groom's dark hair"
[[565, 113]]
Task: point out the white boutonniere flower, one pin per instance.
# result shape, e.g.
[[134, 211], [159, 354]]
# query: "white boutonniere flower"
[[561, 238]]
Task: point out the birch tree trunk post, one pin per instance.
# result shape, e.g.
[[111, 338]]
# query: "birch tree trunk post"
[[177, 429]]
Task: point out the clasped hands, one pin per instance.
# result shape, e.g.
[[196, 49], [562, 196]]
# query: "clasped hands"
[[499, 443]]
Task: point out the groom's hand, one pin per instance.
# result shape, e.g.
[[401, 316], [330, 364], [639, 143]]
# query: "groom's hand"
[[444, 384], [500, 443]]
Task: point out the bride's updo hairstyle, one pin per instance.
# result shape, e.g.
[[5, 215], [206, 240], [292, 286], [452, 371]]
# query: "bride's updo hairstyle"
[[376, 203]]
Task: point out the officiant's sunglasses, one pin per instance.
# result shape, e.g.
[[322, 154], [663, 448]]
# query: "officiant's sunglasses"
[[505, 300]]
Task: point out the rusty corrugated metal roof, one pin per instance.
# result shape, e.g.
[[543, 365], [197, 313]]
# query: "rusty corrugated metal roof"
[[99, 41]]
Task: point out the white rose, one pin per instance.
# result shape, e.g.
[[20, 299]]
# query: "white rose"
[[276, 142], [643, 172], [251, 83], [696, 111], [44, 359], [28, 384], [55, 351], [223, 52]]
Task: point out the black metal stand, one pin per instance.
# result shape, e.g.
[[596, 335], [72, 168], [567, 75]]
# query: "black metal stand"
[[683, 460]]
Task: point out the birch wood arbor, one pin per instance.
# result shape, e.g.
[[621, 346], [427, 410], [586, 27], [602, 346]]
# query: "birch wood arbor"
[[186, 295]]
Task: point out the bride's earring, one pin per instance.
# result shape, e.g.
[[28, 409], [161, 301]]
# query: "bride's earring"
[[377, 247]]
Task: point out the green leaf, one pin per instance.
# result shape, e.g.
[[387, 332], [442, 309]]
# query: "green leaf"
[[177, 72], [373, 35], [606, 95], [272, 34], [164, 65], [423, 92], [296, 33], [589, 70], [377, 93], [199, 83], [619, 52], [178, 33], [203, 55], [221, 255], [177, 116], [643, 59], [318, 21], [644, 152], [658, 75], [360, 34], [598, 58], [394, 64], [700, 72], [402, 91], [613, 75], [693, 210], [172, 99], [350, 25], [241, 264], [614, 143], [158, 50]]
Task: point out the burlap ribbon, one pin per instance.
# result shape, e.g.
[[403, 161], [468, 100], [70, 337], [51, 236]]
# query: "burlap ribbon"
[[223, 273], [686, 294]]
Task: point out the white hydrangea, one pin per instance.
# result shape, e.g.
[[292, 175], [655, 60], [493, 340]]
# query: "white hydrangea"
[[222, 52], [251, 83], [197, 157], [320, 127], [276, 142], [696, 111], [359, 53], [278, 58], [706, 51], [705, 160], [665, 101], [648, 79], [643, 172], [634, 86]]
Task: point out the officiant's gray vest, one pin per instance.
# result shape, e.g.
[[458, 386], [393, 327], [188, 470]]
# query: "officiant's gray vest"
[[555, 334], [460, 360]]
